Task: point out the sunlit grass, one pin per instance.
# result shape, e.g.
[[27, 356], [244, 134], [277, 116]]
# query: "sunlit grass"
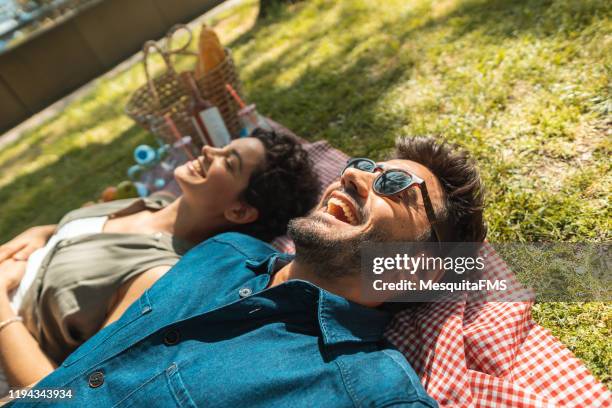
[[524, 85]]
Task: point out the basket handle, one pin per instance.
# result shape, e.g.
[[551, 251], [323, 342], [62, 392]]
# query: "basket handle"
[[146, 49], [180, 50], [166, 55]]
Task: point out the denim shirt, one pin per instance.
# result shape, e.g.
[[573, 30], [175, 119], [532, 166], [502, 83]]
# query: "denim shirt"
[[210, 333]]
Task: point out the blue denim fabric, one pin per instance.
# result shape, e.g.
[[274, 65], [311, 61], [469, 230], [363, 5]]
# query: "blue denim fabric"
[[210, 334]]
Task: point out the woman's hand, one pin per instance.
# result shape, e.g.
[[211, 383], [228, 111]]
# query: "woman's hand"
[[22, 246], [11, 273]]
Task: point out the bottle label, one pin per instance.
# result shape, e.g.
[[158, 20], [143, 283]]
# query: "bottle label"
[[215, 126]]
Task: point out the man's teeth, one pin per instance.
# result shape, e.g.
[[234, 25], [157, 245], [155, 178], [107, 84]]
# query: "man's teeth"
[[345, 209]]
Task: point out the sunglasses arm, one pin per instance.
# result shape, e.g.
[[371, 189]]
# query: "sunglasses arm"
[[429, 210]]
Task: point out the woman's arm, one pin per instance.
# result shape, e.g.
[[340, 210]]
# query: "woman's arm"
[[20, 247], [23, 360], [21, 356]]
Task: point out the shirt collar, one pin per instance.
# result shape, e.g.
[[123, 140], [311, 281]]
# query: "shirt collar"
[[344, 321], [340, 320]]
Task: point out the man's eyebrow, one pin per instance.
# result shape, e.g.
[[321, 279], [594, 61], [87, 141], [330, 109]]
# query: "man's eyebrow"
[[235, 153]]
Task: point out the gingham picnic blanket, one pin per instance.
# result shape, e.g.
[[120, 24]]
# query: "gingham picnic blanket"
[[480, 354]]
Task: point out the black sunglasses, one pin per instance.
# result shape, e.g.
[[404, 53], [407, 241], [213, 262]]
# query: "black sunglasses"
[[392, 182]]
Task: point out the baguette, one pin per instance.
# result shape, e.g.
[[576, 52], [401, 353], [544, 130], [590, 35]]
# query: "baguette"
[[211, 52]]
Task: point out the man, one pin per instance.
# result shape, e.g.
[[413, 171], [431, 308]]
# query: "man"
[[247, 326]]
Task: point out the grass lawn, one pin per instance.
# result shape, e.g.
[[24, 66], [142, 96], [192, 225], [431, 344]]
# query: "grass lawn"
[[524, 85]]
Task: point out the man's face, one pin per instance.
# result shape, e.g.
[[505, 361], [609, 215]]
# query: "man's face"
[[351, 213]]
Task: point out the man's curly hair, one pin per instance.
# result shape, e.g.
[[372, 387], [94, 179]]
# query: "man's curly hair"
[[463, 202], [285, 187]]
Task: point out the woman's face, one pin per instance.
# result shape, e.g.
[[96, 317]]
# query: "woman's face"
[[215, 180]]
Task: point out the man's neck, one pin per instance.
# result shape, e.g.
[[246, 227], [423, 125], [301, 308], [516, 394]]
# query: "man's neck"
[[348, 287]]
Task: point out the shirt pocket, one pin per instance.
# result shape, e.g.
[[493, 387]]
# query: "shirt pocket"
[[165, 389]]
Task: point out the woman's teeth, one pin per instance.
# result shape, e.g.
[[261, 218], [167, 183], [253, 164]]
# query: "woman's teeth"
[[341, 211], [197, 167]]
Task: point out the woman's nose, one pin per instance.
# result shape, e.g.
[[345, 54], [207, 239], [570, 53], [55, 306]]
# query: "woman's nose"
[[358, 180], [208, 152]]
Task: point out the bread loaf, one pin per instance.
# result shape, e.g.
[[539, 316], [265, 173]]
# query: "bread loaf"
[[211, 52]]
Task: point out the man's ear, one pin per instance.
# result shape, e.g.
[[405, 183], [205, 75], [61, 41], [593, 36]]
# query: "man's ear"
[[241, 213]]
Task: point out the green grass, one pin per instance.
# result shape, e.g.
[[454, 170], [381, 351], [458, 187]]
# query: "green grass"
[[524, 85]]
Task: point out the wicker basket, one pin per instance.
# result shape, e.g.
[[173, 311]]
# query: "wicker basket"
[[168, 93]]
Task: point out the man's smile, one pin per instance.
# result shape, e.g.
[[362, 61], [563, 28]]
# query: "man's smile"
[[343, 208]]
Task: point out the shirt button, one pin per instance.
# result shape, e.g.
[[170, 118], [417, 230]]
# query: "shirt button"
[[245, 292], [171, 337], [157, 236], [96, 379]]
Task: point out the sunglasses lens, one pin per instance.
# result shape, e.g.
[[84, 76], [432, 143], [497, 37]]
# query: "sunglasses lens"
[[362, 164], [392, 182]]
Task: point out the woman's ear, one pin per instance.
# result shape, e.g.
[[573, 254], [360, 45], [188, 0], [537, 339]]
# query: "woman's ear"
[[241, 213]]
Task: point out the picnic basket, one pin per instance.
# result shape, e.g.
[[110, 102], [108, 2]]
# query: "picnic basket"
[[168, 94]]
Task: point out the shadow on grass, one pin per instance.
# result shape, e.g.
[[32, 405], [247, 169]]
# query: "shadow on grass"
[[540, 18], [278, 14], [106, 111], [331, 98], [328, 102], [339, 96], [44, 196]]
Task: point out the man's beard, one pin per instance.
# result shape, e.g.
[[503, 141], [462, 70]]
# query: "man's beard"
[[329, 257]]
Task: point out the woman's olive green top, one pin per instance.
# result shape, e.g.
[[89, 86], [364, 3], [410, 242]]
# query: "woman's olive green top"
[[69, 298]]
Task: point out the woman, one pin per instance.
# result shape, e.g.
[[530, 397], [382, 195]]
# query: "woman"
[[99, 259]]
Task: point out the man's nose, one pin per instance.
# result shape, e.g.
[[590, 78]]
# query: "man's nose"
[[358, 180]]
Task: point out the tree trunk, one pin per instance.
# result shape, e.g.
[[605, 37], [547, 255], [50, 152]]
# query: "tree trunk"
[[265, 6]]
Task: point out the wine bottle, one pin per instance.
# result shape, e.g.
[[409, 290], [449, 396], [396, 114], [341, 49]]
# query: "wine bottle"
[[207, 119]]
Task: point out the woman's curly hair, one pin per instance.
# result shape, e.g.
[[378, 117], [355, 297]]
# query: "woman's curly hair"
[[285, 187]]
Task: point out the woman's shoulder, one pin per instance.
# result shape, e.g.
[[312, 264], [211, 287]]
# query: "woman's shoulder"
[[97, 210], [127, 206]]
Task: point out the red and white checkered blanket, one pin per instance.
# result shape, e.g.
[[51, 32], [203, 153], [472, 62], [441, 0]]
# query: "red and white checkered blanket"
[[480, 354]]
